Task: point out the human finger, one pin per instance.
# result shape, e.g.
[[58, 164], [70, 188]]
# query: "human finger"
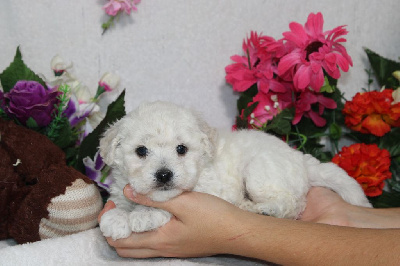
[[108, 206], [138, 253], [143, 199]]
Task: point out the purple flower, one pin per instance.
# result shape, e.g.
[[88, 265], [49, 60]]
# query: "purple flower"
[[76, 112], [98, 171], [29, 99]]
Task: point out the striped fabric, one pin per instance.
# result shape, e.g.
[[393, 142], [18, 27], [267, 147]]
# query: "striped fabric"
[[72, 212]]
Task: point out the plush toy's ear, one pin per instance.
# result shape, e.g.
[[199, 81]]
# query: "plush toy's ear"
[[109, 143]]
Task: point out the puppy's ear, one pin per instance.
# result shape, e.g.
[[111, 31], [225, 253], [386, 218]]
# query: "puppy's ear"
[[109, 143], [209, 138]]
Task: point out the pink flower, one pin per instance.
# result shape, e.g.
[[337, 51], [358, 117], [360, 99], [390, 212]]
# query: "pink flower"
[[303, 107], [311, 52], [269, 105], [258, 66], [113, 7]]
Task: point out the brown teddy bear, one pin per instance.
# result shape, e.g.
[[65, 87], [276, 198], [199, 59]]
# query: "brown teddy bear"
[[40, 196]]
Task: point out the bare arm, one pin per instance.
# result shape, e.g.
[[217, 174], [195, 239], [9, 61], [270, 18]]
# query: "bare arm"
[[205, 225], [325, 206]]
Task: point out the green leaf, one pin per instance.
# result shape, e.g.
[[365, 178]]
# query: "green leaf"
[[390, 141], [59, 130], [307, 127], [335, 131], [31, 123], [115, 111], [323, 156], [3, 114], [327, 87], [71, 154], [386, 200], [383, 69], [16, 71], [332, 81], [63, 135], [361, 137], [241, 123], [248, 110], [246, 97], [282, 123]]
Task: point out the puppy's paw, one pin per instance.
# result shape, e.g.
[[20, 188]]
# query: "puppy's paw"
[[115, 224], [147, 220]]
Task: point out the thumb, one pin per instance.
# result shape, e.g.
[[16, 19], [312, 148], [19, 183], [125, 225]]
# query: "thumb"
[[143, 199]]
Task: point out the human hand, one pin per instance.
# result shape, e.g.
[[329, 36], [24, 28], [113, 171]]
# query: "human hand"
[[326, 206], [201, 226]]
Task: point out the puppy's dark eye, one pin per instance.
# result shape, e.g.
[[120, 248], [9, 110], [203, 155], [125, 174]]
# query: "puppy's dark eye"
[[141, 151], [181, 149]]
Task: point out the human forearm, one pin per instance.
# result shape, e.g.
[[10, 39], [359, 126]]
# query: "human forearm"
[[291, 242], [375, 218], [204, 225]]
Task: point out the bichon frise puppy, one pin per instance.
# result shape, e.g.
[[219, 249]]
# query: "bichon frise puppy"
[[161, 149]]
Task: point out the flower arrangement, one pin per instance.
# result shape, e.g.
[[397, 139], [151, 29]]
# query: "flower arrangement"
[[62, 109], [114, 8], [288, 87]]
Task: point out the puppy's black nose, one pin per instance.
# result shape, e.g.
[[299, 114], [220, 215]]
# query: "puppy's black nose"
[[164, 175]]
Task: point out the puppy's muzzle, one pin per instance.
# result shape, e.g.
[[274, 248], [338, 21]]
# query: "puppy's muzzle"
[[163, 176]]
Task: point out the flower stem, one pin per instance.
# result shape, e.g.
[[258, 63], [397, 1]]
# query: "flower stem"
[[107, 24], [104, 173], [248, 58], [100, 90], [302, 139]]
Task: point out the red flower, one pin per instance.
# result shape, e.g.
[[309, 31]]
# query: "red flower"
[[372, 112], [367, 164]]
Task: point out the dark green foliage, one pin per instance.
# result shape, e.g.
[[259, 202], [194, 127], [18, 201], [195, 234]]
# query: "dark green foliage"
[[90, 144], [383, 69], [16, 71]]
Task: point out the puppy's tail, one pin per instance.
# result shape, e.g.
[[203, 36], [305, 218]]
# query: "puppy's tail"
[[331, 176]]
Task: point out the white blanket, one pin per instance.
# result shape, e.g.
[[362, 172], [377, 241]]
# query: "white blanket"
[[90, 248]]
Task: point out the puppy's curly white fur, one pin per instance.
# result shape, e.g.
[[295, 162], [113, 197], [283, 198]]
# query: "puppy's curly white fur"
[[161, 150]]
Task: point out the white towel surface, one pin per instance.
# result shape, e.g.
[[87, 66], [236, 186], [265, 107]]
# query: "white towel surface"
[[90, 248]]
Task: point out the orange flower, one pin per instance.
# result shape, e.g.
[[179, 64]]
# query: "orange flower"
[[367, 164], [372, 112]]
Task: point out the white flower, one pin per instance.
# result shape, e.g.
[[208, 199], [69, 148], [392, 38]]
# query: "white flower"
[[109, 81], [61, 72], [81, 92], [396, 96], [59, 65], [85, 129]]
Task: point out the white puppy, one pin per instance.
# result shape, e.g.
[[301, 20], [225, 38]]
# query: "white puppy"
[[161, 150]]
